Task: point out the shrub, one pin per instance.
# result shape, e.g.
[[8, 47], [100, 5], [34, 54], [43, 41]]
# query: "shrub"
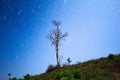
[[111, 56], [50, 68], [27, 77]]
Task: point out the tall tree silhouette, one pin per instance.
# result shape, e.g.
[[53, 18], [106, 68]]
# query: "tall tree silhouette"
[[55, 36]]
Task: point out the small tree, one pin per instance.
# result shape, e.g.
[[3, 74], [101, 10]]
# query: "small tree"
[[69, 61], [9, 75], [55, 36]]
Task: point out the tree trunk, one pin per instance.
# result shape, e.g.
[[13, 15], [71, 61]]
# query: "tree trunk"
[[57, 45], [57, 55]]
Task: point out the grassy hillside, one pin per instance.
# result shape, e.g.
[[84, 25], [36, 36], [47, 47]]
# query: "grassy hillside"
[[99, 69]]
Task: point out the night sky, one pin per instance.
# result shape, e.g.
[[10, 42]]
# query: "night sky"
[[93, 27]]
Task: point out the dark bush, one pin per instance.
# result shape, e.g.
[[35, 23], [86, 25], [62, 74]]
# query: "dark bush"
[[50, 68], [27, 77], [111, 56], [14, 78]]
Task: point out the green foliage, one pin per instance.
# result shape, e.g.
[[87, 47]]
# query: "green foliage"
[[64, 78], [77, 73], [63, 75]]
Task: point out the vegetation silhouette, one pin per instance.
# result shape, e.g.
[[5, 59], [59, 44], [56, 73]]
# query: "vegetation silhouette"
[[14, 78], [9, 75], [69, 61], [27, 77], [50, 68]]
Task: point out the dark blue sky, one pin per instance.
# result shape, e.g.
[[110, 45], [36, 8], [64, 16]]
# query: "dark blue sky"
[[19, 21], [93, 27]]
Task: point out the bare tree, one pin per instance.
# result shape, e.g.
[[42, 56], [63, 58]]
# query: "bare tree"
[[55, 36]]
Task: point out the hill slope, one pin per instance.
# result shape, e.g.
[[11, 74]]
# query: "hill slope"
[[99, 69]]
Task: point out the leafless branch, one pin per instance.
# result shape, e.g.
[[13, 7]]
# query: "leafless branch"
[[55, 36]]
